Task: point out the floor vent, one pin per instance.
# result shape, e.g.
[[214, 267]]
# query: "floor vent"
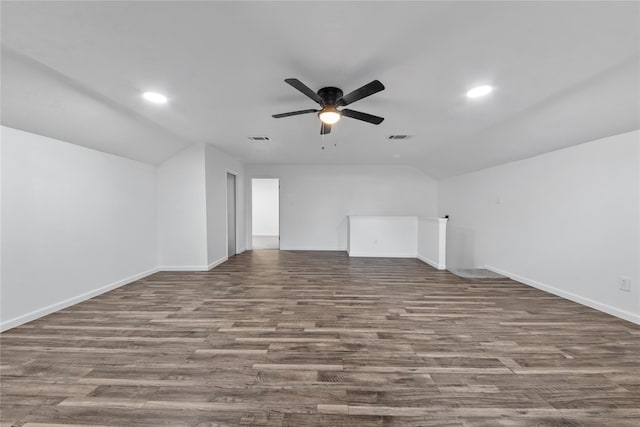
[[259, 138], [399, 136]]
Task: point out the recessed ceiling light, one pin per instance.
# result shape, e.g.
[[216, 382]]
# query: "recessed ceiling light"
[[479, 91], [155, 97]]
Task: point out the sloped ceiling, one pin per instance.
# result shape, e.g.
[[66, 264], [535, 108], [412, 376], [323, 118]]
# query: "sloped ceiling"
[[563, 72]]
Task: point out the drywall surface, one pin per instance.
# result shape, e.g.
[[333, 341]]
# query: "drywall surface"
[[265, 207], [218, 164], [182, 214], [383, 236], [566, 221], [75, 223], [315, 200], [432, 241]]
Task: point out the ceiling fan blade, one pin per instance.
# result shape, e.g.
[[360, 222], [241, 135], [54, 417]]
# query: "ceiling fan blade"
[[366, 90], [370, 118], [293, 113], [304, 89], [325, 128]]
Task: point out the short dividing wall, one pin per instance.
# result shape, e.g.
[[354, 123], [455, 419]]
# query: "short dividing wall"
[[432, 241], [398, 237]]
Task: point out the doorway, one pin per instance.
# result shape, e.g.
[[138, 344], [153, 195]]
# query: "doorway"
[[265, 213], [231, 214]]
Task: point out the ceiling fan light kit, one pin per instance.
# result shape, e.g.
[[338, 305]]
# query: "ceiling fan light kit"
[[329, 115], [330, 98]]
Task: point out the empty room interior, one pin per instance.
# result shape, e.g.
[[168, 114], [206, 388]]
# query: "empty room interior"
[[320, 213]]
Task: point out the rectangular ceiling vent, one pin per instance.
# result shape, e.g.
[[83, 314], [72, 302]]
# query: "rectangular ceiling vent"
[[399, 136], [259, 138]]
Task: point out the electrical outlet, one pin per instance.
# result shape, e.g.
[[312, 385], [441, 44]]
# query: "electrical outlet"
[[624, 283]]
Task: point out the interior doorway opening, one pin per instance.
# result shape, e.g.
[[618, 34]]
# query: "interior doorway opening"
[[231, 215], [265, 213]]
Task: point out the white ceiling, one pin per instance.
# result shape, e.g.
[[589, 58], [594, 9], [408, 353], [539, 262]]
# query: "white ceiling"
[[564, 73]]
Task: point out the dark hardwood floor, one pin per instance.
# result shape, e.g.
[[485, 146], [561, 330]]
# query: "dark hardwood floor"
[[275, 338]]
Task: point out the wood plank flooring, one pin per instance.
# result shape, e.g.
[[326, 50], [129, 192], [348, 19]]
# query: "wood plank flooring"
[[277, 338]]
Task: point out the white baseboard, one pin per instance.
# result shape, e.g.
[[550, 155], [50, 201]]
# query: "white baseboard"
[[432, 263], [382, 255], [193, 267], [33, 315], [217, 262], [183, 268], [622, 314], [311, 248]]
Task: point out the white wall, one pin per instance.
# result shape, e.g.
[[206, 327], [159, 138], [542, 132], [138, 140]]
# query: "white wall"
[[383, 236], [182, 215], [315, 200], [192, 208], [265, 207], [75, 223], [217, 166], [78, 222], [432, 241], [566, 221]]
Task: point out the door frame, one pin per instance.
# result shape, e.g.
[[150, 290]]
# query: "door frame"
[[250, 204], [226, 204]]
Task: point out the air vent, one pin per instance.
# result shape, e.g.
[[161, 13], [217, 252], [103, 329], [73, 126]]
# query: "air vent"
[[399, 136], [259, 138]]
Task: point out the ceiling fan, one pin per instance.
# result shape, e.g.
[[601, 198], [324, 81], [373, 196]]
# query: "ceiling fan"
[[330, 98]]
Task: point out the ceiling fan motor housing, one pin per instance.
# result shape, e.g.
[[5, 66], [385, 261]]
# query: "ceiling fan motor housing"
[[330, 96]]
